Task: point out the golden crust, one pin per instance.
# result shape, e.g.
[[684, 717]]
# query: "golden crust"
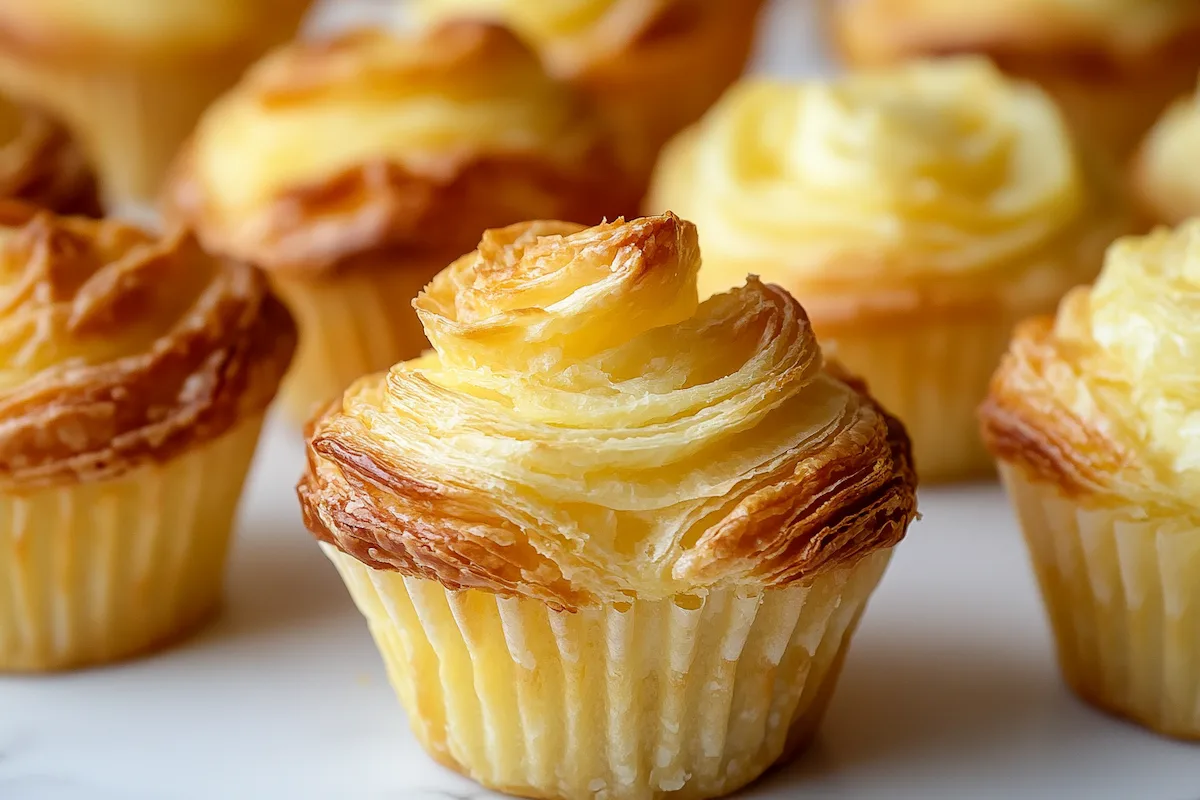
[[83, 31], [1090, 39], [457, 131], [586, 432], [42, 165], [654, 66], [119, 348], [1100, 401]]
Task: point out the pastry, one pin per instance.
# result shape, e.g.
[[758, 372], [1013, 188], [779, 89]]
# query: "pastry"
[[130, 77], [610, 541], [1092, 416], [654, 66], [354, 170], [1166, 182], [40, 163], [1112, 65], [135, 372], [918, 212]]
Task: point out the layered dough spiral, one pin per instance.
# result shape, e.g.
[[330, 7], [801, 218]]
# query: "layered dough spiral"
[[584, 431], [41, 164], [1122, 29], [372, 140], [117, 348], [938, 177], [1103, 399]]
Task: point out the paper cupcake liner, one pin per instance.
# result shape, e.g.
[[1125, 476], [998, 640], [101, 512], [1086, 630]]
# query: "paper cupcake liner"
[[1123, 595], [933, 377], [691, 697], [350, 325], [101, 571]]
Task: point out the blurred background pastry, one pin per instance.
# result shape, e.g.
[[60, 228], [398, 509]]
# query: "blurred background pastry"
[[1166, 169], [41, 164], [609, 540], [654, 66], [354, 170], [1112, 65], [134, 373], [130, 77], [917, 212], [1093, 418]]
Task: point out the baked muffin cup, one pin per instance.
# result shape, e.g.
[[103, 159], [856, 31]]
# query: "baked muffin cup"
[[100, 571], [693, 696], [1122, 591], [353, 323], [929, 373]]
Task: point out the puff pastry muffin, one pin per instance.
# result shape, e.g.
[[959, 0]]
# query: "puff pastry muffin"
[[1165, 179], [130, 77], [354, 170], [919, 212], [610, 541], [134, 373], [654, 66], [1112, 65], [41, 164], [1093, 418]]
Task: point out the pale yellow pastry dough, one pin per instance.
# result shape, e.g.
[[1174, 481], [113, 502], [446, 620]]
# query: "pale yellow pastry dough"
[[1164, 177], [1094, 417], [609, 538]]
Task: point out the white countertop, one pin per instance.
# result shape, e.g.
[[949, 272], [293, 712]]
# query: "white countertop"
[[950, 690]]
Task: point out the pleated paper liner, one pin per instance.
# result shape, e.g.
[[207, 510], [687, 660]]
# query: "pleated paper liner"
[[1123, 595], [351, 324], [691, 698], [101, 571], [932, 376]]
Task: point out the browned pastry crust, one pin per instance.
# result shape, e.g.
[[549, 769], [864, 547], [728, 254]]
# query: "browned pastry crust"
[[824, 503], [42, 165], [126, 348], [1025, 423], [428, 208]]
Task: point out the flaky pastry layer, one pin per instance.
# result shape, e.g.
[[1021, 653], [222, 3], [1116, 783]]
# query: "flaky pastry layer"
[[1103, 399], [1164, 179], [117, 348], [374, 140], [585, 431], [41, 164], [1117, 31], [86, 30], [934, 184]]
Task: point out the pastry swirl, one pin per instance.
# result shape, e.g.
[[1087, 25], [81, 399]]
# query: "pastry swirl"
[[42, 165], [584, 431], [372, 141], [1103, 399], [118, 348], [937, 177], [1164, 182]]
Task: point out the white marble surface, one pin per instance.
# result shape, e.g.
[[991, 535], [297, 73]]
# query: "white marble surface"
[[950, 690]]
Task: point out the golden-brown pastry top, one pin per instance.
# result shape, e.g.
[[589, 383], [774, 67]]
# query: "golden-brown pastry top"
[[118, 348], [377, 140], [41, 164], [1115, 31], [585, 431], [939, 183], [653, 66], [105, 29], [1104, 399], [1164, 176]]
